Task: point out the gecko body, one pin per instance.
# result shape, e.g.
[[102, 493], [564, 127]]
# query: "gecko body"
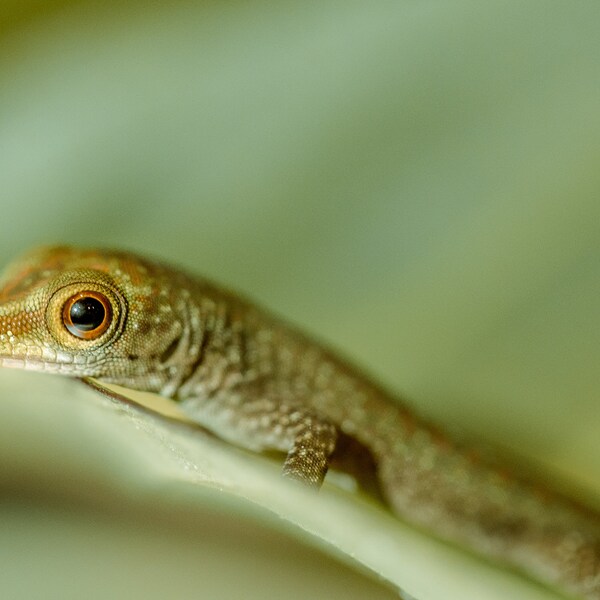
[[258, 383]]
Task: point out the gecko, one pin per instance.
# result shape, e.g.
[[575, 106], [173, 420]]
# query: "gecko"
[[259, 383]]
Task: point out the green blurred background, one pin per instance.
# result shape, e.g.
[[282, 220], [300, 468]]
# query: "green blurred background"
[[416, 183]]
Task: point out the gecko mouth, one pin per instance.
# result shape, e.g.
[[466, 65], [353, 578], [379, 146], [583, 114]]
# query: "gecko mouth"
[[28, 363], [45, 359]]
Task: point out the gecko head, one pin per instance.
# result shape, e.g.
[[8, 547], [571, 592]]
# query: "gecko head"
[[104, 314]]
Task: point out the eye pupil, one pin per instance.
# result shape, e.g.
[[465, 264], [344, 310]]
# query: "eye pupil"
[[87, 314]]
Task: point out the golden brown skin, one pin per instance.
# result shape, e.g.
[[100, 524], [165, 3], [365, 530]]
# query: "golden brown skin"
[[260, 384]]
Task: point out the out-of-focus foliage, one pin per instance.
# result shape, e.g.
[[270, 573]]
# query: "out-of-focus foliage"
[[416, 183]]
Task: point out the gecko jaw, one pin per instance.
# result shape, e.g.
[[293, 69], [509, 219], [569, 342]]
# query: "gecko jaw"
[[35, 364], [49, 361]]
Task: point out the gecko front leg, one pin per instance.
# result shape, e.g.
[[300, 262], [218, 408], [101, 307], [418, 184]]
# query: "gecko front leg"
[[313, 442], [259, 422]]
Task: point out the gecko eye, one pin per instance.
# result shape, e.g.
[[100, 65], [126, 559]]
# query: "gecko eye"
[[87, 315]]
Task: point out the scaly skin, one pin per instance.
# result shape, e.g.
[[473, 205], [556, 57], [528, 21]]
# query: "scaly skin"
[[256, 382]]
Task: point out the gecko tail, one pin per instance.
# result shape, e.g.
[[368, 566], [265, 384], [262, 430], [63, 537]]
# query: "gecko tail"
[[568, 559], [506, 519]]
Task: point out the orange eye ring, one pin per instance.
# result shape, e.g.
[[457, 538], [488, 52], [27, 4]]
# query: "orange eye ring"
[[87, 315]]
